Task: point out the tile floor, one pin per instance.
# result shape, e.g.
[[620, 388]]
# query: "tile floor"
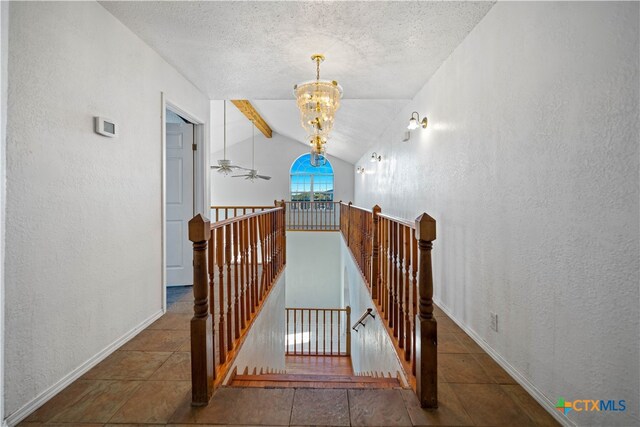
[[147, 381]]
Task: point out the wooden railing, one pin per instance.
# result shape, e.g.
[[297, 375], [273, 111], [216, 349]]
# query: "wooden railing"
[[237, 261], [313, 216], [394, 257], [220, 213], [318, 331]]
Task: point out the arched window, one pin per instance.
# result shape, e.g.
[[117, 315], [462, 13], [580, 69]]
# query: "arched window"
[[311, 183]]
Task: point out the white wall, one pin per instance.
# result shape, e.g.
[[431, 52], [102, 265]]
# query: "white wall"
[[530, 167], [371, 347], [4, 56], [314, 269], [84, 255], [274, 157], [264, 344]]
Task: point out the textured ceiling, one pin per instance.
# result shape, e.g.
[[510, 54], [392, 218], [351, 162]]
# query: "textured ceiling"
[[381, 52]]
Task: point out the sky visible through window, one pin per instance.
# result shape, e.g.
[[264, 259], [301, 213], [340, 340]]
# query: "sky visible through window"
[[309, 182]]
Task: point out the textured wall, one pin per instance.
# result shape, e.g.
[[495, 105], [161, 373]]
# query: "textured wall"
[[264, 344], [313, 269], [530, 167], [371, 347], [83, 262], [274, 157], [4, 56]]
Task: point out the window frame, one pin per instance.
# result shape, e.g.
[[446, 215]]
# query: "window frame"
[[312, 189]]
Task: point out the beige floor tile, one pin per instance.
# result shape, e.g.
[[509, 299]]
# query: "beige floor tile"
[[461, 368], [471, 345], [181, 307], [250, 406], [449, 343], [489, 405], [529, 405], [176, 368], [99, 403], [495, 372], [378, 408], [157, 340], [128, 365], [320, 407], [173, 321], [61, 401], [450, 411], [153, 402]]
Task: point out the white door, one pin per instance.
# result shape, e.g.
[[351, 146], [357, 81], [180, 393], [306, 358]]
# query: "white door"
[[179, 199]]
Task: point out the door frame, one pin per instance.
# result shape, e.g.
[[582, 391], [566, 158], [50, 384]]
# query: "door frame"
[[200, 178]]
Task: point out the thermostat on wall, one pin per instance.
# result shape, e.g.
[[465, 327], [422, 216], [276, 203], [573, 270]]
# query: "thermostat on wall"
[[105, 127]]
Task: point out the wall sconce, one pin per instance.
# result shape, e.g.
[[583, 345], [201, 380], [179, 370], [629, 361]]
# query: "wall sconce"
[[415, 122], [374, 157], [360, 170]]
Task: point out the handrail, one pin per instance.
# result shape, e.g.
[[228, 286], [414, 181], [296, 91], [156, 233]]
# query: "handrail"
[[217, 211], [317, 331], [361, 319], [394, 258], [239, 260], [402, 221], [224, 222]]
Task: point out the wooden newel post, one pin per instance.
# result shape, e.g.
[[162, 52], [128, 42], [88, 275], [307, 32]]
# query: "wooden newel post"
[[202, 370], [426, 326], [375, 254], [348, 330]]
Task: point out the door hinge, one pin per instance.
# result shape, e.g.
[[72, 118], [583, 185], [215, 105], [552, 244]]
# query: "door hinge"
[[194, 147]]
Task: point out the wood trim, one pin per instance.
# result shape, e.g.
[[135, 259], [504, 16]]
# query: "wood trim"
[[250, 113]]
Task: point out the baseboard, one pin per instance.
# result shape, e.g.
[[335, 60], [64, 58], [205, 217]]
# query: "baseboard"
[[548, 405], [56, 388]]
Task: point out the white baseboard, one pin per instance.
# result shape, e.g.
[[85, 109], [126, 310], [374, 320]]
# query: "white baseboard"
[[548, 405], [56, 388]]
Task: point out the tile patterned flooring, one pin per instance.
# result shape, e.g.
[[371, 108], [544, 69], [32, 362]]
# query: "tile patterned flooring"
[[147, 382]]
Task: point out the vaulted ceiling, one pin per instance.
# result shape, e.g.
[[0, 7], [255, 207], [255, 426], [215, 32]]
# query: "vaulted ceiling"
[[382, 53]]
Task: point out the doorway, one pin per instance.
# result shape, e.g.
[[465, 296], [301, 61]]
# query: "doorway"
[[179, 200], [184, 188]]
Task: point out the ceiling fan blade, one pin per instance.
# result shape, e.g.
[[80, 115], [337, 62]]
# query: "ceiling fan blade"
[[239, 176], [264, 177]]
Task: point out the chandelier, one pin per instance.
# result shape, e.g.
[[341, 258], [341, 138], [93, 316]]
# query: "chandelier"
[[318, 151], [318, 101]]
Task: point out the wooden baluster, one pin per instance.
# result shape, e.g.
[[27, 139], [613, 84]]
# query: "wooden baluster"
[[243, 293], [401, 306], [414, 299], [316, 313], [295, 320], [384, 264], [339, 331], [247, 266], [391, 274], [236, 279], [324, 332], [427, 328], [348, 325], [227, 256], [287, 333], [309, 313], [254, 260], [284, 234], [331, 334], [220, 262], [407, 298], [202, 335]]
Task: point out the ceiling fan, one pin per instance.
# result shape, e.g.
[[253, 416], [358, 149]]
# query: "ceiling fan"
[[224, 165], [253, 172]]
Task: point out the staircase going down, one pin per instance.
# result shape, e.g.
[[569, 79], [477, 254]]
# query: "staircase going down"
[[313, 381]]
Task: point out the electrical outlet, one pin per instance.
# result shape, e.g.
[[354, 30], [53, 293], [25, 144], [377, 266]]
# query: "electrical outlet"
[[494, 321]]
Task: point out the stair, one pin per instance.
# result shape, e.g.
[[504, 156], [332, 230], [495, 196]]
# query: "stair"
[[313, 381]]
